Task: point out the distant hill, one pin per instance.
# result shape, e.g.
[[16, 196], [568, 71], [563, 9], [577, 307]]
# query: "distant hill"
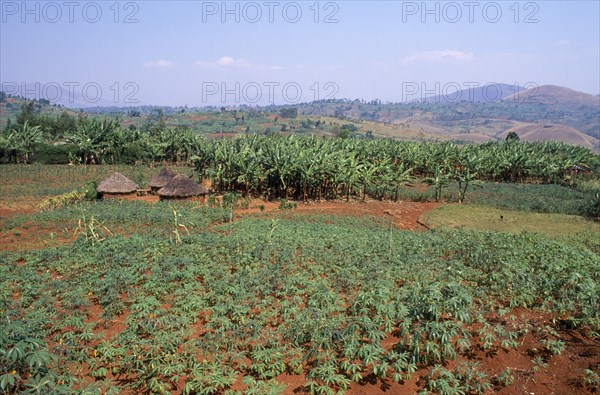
[[10, 107], [557, 104], [554, 132], [555, 95], [75, 99], [559, 114], [490, 93]]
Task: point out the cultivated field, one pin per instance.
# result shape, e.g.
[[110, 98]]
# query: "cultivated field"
[[246, 296]]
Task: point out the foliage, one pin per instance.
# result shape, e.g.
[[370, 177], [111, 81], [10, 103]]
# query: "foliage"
[[86, 193], [129, 213], [62, 200], [591, 380], [51, 154], [339, 300], [505, 378], [19, 142], [541, 198], [464, 379], [284, 204], [312, 167], [90, 229]]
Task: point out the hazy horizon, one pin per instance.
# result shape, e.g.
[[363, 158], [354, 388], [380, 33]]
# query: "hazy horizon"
[[200, 53]]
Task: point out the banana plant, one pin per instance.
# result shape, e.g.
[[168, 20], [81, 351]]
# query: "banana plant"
[[21, 141], [439, 181]]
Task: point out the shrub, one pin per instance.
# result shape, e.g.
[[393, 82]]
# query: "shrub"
[[591, 380], [593, 208], [88, 192], [230, 199], [49, 154], [62, 200], [284, 204]]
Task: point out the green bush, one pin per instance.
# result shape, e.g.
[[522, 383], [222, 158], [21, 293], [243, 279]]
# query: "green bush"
[[593, 208], [90, 190], [49, 154], [285, 204], [133, 153], [230, 199]]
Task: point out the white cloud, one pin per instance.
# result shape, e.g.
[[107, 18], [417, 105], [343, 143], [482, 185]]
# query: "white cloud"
[[225, 61], [160, 63], [440, 56], [276, 68], [563, 43]]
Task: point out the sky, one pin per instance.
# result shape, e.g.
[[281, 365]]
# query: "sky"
[[200, 53]]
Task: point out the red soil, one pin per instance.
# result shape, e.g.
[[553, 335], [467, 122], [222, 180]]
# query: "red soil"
[[404, 214]]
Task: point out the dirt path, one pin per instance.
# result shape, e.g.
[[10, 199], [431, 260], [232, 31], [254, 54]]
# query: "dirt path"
[[404, 214]]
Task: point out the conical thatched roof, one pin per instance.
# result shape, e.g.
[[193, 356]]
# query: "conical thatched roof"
[[162, 178], [182, 186], [117, 183]]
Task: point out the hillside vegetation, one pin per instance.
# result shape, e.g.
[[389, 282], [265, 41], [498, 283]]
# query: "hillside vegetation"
[[573, 116]]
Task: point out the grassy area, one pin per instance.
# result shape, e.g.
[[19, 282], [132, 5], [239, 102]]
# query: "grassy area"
[[495, 219], [51, 180], [541, 198]]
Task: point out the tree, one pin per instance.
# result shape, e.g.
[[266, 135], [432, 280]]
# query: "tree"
[[400, 176], [512, 136], [342, 133], [289, 112], [10, 145], [94, 139], [439, 180], [21, 141], [28, 113], [466, 175]]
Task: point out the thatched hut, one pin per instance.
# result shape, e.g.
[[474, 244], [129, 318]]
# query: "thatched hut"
[[117, 186], [161, 179], [182, 187]]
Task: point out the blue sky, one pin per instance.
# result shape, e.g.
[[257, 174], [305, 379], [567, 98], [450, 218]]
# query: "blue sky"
[[195, 52]]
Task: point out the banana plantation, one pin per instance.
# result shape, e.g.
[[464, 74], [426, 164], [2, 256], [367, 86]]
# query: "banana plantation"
[[311, 167], [315, 168]]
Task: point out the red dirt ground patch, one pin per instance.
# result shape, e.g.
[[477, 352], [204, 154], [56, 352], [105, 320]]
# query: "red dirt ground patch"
[[31, 236], [404, 214]]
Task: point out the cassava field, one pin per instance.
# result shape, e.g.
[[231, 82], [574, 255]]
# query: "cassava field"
[[316, 266]]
